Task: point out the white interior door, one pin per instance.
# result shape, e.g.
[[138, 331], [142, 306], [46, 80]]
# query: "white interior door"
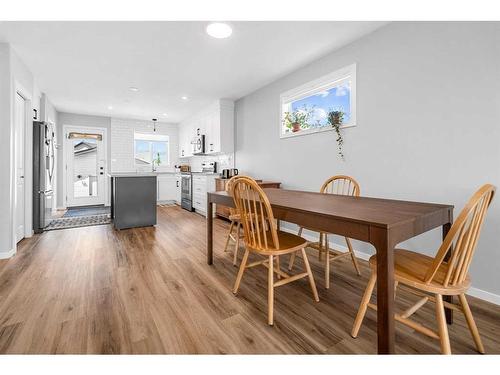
[[85, 167], [20, 122]]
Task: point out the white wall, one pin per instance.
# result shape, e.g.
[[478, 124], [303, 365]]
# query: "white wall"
[[122, 140], [428, 114]]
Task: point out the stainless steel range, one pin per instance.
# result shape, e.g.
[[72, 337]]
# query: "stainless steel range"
[[209, 167]]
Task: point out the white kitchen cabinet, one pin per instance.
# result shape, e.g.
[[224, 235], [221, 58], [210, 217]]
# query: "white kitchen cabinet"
[[178, 196], [201, 185], [220, 128], [167, 187], [216, 123], [186, 135]]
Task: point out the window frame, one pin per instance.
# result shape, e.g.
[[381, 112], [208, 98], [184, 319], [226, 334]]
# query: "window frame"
[[325, 82], [151, 138]]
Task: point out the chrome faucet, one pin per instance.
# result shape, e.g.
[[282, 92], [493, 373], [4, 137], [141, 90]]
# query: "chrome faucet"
[[153, 165]]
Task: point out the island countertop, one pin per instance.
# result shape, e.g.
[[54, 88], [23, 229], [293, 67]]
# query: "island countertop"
[[137, 174]]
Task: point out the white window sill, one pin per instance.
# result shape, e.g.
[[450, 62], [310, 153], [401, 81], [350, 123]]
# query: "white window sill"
[[313, 131]]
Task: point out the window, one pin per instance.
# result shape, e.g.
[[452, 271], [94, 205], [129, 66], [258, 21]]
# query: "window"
[[149, 147], [310, 108]]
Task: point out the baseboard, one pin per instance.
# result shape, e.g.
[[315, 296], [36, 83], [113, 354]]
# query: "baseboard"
[[484, 295], [8, 254], [474, 292]]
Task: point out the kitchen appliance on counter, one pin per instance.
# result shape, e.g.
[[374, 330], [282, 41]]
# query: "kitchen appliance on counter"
[[228, 173], [209, 167], [198, 144], [43, 174], [187, 191], [183, 168]]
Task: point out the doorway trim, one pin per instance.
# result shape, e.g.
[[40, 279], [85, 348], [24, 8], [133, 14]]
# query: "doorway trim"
[[28, 163], [64, 161]]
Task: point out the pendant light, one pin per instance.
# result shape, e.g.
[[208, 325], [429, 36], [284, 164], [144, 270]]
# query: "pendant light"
[[154, 124]]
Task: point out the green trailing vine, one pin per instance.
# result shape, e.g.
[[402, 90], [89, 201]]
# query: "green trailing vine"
[[335, 119]]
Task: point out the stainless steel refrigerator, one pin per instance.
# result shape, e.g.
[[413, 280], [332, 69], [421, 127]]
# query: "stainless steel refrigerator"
[[43, 174]]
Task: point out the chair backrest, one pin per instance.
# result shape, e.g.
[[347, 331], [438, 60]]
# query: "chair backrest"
[[342, 185], [232, 211], [462, 238], [256, 214]]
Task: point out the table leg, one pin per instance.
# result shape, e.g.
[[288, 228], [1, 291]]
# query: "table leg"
[[447, 310], [210, 221], [379, 237]]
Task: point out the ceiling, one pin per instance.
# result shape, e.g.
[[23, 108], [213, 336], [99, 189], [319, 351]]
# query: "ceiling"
[[85, 67]]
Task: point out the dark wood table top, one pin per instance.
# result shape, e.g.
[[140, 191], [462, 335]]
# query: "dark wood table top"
[[382, 222], [380, 212]]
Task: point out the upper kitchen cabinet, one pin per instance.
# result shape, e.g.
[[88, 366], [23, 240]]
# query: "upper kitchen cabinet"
[[219, 134], [216, 123], [186, 134]]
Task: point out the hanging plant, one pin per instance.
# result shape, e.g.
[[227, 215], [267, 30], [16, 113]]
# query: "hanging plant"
[[335, 119]]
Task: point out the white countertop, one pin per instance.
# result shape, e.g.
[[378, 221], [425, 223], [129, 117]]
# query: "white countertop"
[[139, 174]]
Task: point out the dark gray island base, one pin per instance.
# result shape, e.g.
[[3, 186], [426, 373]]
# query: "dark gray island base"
[[133, 200]]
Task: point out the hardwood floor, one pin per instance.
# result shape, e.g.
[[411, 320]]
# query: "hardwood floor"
[[149, 290]]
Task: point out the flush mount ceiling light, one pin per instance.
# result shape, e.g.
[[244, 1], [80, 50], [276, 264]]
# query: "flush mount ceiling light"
[[184, 97], [110, 107], [165, 115], [134, 89], [219, 30]]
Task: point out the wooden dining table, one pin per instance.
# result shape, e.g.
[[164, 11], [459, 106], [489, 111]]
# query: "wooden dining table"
[[384, 223]]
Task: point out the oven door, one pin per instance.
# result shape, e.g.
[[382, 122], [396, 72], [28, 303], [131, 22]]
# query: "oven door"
[[186, 186]]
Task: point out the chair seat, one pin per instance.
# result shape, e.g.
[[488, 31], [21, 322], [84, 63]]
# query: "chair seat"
[[288, 242], [410, 268]]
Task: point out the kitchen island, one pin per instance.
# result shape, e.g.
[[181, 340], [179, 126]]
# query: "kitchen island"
[[133, 199]]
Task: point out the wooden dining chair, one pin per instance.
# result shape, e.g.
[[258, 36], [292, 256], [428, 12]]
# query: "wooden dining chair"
[[431, 278], [234, 217], [263, 238], [341, 185]]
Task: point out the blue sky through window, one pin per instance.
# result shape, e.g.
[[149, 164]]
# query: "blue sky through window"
[[146, 151], [336, 98]]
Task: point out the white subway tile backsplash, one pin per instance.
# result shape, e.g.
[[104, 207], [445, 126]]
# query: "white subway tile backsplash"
[[122, 142]]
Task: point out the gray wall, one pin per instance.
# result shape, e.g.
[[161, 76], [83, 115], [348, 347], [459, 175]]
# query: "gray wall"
[[428, 126], [64, 118]]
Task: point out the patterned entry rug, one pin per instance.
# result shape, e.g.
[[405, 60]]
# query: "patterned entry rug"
[[87, 211], [78, 221]]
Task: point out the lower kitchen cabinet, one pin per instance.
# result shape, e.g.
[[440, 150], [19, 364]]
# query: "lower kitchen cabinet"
[[167, 187], [178, 195], [201, 185]]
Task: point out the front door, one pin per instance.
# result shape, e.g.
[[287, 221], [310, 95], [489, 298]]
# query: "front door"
[[20, 123], [85, 167]]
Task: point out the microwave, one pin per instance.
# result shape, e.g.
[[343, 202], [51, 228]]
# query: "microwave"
[[199, 144]]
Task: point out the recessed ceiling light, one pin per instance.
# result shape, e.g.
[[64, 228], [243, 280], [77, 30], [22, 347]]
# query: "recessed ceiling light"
[[184, 97], [219, 30], [134, 89], [110, 107], [165, 114]]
